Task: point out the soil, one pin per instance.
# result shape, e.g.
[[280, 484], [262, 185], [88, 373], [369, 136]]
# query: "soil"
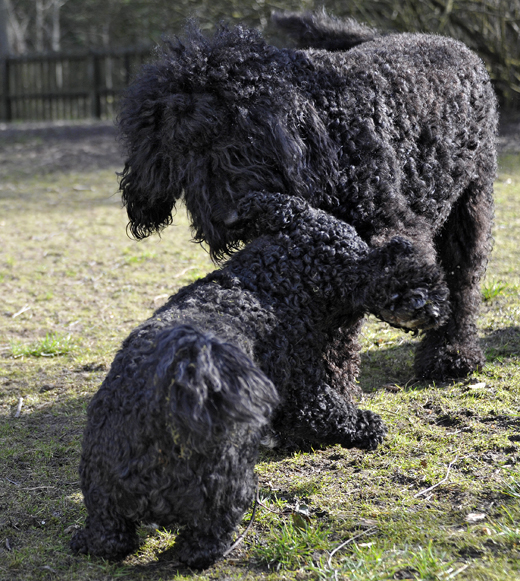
[[29, 148]]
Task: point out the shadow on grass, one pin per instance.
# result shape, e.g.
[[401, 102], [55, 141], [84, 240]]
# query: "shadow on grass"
[[502, 343], [386, 365], [58, 196], [394, 364], [29, 150], [43, 443]]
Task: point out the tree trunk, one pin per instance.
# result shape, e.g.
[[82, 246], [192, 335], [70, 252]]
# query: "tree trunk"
[[56, 32], [5, 49], [39, 25]]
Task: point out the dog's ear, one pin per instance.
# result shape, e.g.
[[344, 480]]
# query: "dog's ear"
[[162, 133], [149, 188]]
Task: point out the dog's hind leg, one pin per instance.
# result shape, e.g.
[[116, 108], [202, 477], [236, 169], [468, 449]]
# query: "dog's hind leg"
[[228, 487], [342, 359], [106, 534], [199, 550], [463, 247]]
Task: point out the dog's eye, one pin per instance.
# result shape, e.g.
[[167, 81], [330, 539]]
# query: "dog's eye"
[[225, 214], [231, 218]]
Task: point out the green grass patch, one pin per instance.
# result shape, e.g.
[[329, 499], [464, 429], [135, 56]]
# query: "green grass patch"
[[291, 547], [439, 499], [52, 345], [491, 290]]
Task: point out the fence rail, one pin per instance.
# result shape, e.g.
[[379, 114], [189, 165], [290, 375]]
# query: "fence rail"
[[64, 86]]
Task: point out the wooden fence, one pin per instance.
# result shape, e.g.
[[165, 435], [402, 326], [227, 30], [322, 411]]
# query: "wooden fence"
[[64, 86]]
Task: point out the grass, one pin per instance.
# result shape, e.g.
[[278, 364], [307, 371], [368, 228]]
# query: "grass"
[[440, 499], [493, 289], [51, 345]]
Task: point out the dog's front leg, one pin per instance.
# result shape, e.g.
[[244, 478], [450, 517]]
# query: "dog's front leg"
[[106, 535], [320, 415]]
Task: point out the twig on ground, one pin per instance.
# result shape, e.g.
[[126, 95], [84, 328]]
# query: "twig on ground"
[[438, 483], [452, 574], [38, 488], [345, 543], [243, 535], [19, 408], [278, 512], [184, 271], [22, 310]]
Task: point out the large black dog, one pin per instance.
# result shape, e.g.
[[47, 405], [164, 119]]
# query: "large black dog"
[[173, 433], [394, 134]]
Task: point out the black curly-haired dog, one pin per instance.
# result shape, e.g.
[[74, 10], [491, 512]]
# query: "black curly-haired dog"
[[173, 433], [394, 134]]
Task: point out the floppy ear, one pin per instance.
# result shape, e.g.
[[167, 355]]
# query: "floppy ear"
[[162, 132], [149, 188]]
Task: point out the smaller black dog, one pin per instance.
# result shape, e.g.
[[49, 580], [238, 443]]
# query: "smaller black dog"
[[173, 433]]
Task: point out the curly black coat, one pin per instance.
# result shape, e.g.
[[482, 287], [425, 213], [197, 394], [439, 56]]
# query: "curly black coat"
[[393, 134], [173, 432]]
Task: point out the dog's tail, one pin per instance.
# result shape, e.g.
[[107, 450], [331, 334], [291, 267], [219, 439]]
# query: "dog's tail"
[[319, 30], [208, 386]]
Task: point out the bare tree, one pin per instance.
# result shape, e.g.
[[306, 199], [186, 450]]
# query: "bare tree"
[[39, 25], [17, 25], [55, 6], [4, 38]]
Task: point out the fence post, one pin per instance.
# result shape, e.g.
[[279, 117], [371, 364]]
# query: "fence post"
[[95, 83], [6, 98], [127, 68]]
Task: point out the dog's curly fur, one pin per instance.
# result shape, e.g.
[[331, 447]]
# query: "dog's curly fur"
[[394, 134], [173, 433]]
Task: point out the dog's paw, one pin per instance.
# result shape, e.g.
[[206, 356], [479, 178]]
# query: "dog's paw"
[[416, 309], [370, 431], [102, 542], [258, 213], [270, 440], [79, 543], [201, 551], [440, 359]]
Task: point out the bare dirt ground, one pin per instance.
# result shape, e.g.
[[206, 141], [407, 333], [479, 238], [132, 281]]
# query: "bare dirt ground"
[[29, 148], [32, 148]]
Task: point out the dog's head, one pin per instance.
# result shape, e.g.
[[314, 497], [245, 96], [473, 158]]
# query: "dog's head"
[[210, 121]]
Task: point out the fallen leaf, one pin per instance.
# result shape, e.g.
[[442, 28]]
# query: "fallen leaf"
[[477, 385], [475, 517]]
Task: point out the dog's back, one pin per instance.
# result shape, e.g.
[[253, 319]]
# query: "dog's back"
[[319, 30]]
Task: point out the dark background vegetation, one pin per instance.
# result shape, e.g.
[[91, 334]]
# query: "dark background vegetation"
[[491, 27]]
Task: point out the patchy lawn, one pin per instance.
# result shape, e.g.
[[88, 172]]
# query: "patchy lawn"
[[440, 499]]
